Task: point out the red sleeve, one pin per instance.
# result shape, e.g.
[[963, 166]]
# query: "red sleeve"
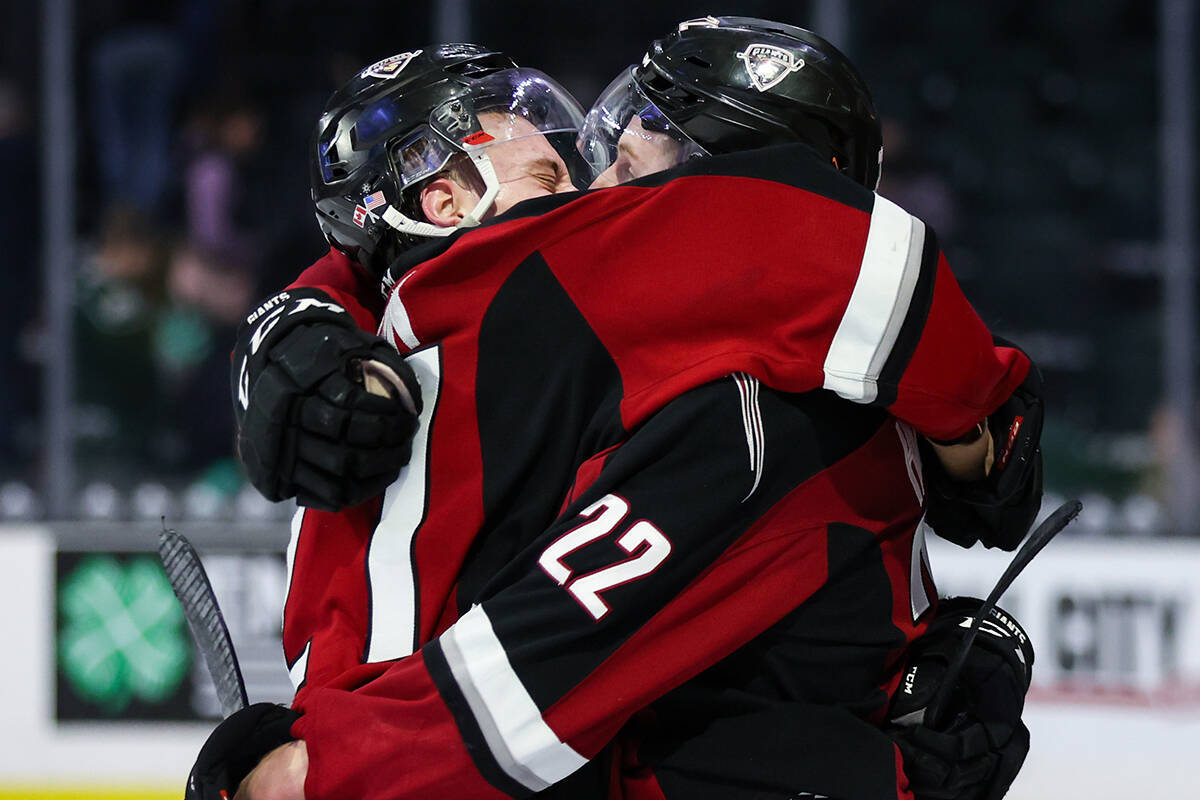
[[849, 293], [393, 737], [956, 374], [348, 284]]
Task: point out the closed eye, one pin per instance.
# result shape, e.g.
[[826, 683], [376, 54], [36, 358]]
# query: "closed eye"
[[548, 171]]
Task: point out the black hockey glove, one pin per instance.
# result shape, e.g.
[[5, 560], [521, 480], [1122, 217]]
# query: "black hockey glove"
[[999, 509], [307, 426], [235, 747], [976, 748]]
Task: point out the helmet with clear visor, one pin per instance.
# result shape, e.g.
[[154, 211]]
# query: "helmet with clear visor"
[[724, 84], [626, 136], [406, 119]]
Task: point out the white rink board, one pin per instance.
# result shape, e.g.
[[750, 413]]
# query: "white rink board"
[[1126, 727], [1114, 712], [33, 748]]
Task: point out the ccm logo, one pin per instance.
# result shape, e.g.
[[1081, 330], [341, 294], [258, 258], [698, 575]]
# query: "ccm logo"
[[909, 680]]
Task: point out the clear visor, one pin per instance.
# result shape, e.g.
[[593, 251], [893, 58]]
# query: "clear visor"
[[498, 108], [626, 136]]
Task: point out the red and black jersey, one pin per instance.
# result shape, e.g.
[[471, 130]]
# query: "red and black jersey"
[[347, 283], [743, 547], [630, 493]]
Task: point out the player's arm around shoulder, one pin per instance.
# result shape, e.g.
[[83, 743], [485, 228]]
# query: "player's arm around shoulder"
[[310, 424], [987, 485]]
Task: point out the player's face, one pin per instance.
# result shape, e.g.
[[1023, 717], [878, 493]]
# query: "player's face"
[[639, 152], [527, 166]]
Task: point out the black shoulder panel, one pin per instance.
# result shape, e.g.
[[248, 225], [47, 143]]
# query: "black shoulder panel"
[[548, 396]]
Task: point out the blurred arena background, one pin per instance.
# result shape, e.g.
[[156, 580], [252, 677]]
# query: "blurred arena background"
[[155, 183]]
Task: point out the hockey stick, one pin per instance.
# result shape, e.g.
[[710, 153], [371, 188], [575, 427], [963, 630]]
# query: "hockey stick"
[[1040, 537], [190, 584]]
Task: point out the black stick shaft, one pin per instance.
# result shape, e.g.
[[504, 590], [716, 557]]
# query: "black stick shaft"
[[1040, 537]]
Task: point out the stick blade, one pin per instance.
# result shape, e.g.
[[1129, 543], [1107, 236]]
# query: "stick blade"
[[190, 583]]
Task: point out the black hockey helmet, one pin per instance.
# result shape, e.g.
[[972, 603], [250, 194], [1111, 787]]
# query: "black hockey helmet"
[[399, 121], [724, 84]]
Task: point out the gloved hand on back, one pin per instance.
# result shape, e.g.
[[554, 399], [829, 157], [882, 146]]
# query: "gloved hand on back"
[[325, 410]]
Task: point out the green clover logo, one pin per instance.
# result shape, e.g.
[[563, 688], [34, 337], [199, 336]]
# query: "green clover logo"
[[122, 635]]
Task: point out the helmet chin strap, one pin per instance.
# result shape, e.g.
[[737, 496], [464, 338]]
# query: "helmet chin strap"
[[479, 157]]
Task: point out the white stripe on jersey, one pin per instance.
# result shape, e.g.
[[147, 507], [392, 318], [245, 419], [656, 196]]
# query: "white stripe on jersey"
[[396, 325], [524, 746], [298, 670], [393, 584], [747, 387], [891, 264]]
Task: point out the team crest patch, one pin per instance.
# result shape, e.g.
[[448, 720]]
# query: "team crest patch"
[[767, 64], [391, 66]]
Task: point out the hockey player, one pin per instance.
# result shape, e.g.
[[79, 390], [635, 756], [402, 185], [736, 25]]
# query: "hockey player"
[[305, 431], [614, 528], [415, 146]]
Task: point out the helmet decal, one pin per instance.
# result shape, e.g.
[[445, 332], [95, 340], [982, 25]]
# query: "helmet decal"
[[478, 139], [767, 64], [368, 210], [371, 201], [391, 66]]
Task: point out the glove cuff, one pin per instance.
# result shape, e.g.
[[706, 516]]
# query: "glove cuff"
[[999, 632]]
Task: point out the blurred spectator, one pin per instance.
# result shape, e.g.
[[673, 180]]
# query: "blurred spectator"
[[154, 329], [119, 298], [135, 71], [18, 269], [222, 139], [208, 291]]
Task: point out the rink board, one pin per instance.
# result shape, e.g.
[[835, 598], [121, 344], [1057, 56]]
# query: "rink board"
[[1115, 706]]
